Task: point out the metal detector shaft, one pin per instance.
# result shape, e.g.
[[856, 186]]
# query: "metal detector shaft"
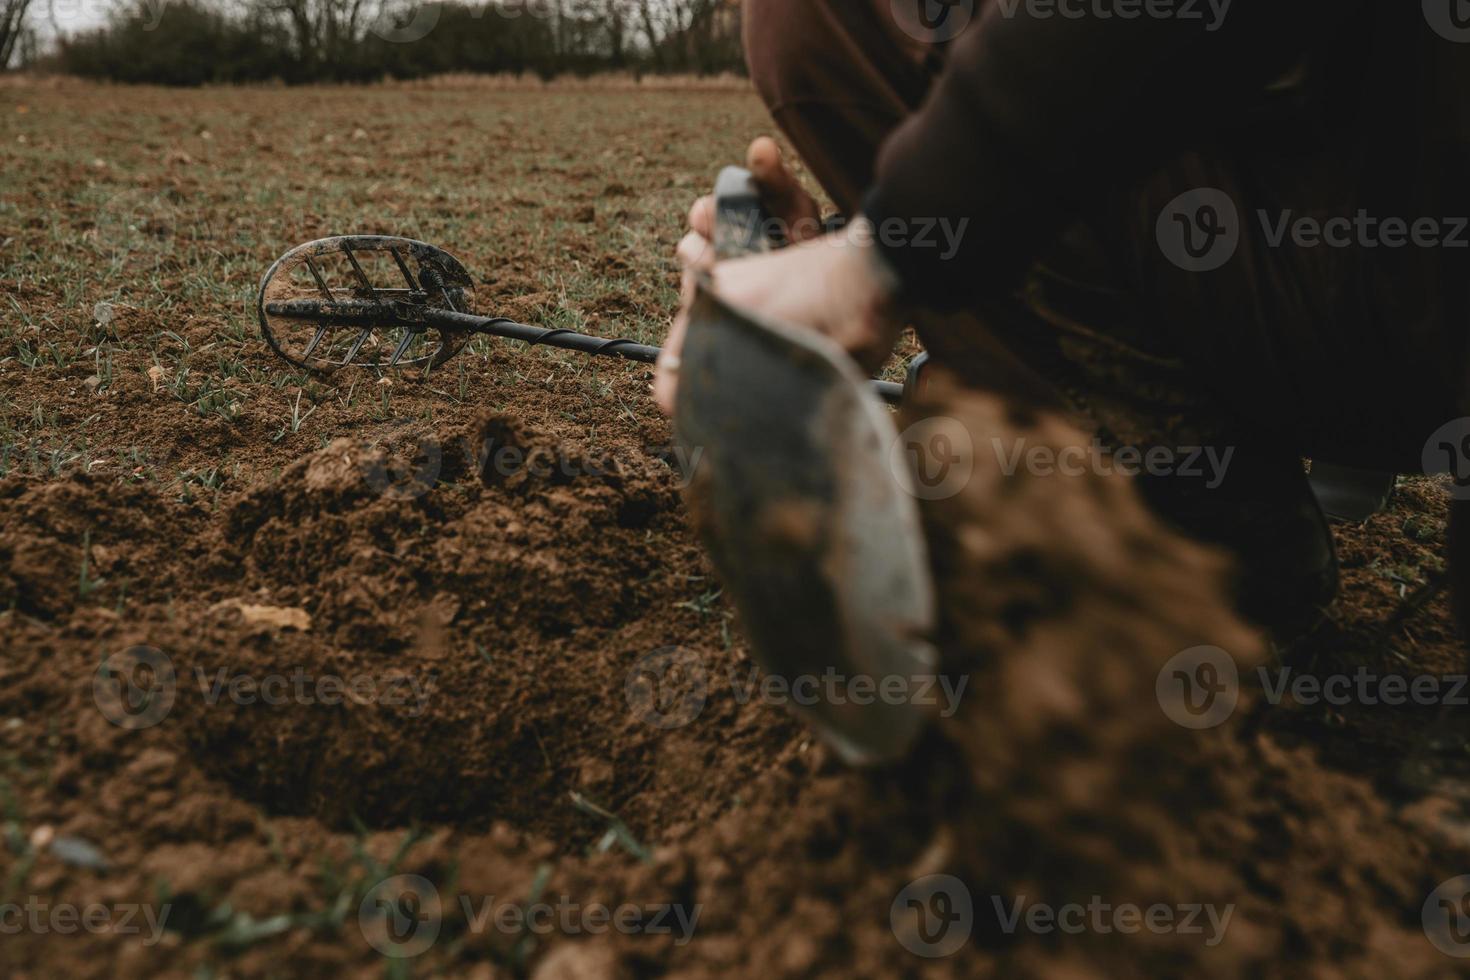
[[367, 313], [565, 339]]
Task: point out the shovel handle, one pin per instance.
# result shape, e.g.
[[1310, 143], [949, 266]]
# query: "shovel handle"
[[742, 224]]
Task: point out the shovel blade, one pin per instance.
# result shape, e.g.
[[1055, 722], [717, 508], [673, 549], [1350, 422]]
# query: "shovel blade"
[[815, 535]]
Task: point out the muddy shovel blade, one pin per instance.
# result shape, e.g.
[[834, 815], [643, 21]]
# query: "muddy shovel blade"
[[815, 536]]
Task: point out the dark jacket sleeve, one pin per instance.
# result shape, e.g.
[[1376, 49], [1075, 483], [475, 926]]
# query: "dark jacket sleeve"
[[1035, 116]]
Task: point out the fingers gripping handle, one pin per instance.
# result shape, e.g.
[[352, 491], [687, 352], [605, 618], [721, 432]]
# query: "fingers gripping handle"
[[742, 226]]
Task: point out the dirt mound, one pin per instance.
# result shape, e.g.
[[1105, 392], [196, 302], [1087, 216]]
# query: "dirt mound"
[[355, 534]]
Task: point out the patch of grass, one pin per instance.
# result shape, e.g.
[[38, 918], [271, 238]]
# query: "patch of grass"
[[617, 832], [705, 604]]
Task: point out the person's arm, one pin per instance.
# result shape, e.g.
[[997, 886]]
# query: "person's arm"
[[1034, 116]]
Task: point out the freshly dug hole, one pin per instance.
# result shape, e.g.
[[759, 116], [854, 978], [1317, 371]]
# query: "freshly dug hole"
[[492, 621]]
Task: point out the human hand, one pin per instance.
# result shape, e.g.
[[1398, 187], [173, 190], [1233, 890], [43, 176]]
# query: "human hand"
[[835, 284]]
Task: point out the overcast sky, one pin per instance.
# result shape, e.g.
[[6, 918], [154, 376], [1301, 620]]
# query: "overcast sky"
[[69, 15]]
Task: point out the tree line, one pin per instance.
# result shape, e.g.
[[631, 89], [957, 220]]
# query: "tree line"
[[194, 42]]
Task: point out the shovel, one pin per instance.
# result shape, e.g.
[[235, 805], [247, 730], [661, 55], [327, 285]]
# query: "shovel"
[[814, 532]]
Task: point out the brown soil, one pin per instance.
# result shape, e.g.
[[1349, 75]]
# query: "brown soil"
[[501, 579], [509, 602]]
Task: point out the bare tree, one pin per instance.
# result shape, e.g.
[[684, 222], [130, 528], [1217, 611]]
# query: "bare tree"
[[703, 35], [653, 19], [323, 30], [12, 27], [617, 14]]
